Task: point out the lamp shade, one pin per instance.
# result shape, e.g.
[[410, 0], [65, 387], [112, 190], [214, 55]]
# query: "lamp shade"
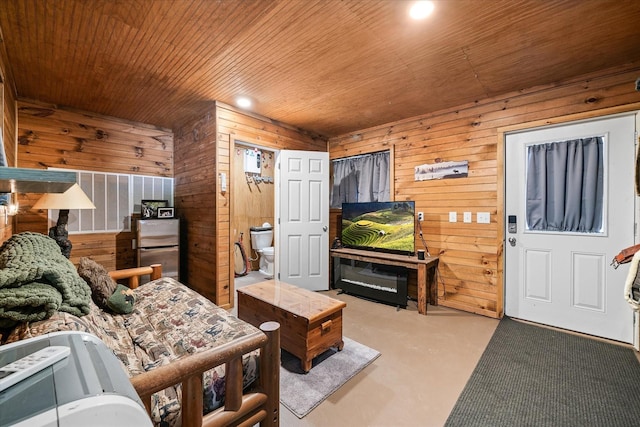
[[73, 198]]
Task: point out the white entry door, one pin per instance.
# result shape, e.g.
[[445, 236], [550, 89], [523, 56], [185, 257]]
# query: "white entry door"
[[562, 278], [302, 255]]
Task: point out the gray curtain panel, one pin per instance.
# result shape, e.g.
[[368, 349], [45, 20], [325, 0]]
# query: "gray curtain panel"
[[361, 179], [565, 185]]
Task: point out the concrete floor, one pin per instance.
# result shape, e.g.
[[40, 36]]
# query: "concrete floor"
[[424, 364]]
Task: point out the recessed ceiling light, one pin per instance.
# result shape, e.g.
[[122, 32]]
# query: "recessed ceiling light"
[[243, 102], [421, 9]]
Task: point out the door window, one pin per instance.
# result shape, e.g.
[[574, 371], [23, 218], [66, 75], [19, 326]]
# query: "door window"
[[565, 186]]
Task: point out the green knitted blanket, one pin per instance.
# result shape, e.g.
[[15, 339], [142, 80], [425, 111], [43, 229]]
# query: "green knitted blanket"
[[36, 280]]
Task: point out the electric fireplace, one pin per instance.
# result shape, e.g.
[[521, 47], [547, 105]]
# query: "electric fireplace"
[[380, 282]]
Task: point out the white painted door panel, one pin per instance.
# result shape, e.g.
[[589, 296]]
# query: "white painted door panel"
[[303, 212], [564, 279]]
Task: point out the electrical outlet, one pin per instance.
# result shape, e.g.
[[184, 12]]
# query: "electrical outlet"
[[420, 216], [453, 217], [483, 218], [467, 217]]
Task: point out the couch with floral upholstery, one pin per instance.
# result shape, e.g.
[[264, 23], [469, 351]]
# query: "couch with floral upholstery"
[[171, 337]]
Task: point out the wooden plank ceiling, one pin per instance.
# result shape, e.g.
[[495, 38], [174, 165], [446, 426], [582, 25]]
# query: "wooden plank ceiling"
[[327, 66]]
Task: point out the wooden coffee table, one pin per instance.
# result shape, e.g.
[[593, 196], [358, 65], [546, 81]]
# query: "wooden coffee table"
[[310, 323]]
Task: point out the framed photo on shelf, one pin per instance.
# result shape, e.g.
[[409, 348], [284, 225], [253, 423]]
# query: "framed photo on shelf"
[[165, 213], [149, 208]]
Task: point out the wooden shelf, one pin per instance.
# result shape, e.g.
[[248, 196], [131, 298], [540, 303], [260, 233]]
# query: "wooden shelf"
[[24, 180]]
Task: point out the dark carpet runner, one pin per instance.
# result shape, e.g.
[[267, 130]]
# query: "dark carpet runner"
[[534, 376]]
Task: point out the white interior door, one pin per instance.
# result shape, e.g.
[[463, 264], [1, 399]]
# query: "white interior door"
[[302, 250], [564, 279]]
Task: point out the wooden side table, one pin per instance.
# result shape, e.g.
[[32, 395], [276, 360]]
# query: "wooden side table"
[[310, 323]]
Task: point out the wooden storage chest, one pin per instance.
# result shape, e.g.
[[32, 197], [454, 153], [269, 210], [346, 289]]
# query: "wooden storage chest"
[[310, 323]]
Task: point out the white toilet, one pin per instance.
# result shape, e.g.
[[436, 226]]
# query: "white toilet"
[[261, 239]]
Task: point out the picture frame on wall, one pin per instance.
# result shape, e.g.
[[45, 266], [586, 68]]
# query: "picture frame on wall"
[[165, 213], [149, 208]]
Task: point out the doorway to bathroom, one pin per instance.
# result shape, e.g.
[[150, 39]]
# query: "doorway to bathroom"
[[253, 182], [283, 194]]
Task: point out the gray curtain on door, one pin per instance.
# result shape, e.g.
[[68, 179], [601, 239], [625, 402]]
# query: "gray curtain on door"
[[361, 179], [565, 185]]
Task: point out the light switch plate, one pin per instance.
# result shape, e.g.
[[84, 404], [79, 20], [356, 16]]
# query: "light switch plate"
[[483, 218], [453, 217], [467, 217]]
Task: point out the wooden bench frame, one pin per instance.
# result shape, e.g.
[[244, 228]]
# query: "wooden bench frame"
[[260, 403]]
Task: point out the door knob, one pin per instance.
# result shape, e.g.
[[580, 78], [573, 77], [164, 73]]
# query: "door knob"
[[324, 228], [512, 241]]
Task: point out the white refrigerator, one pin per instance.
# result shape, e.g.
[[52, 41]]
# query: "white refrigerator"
[[158, 242]]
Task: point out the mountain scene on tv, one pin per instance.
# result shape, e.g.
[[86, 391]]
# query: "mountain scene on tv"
[[390, 228]]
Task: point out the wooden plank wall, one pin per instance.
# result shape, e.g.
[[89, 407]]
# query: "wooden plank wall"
[[202, 151], [9, 122], [470, 271], [195, 202], [64, 138], [224, 285]]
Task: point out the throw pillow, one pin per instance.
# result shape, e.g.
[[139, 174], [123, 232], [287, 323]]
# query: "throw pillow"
[[122, 300], [101, 284]]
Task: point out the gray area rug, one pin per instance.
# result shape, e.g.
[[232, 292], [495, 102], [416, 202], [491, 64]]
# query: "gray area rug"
[[300, 392], [533, 376]]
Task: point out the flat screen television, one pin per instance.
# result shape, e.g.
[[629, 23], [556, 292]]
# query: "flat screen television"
[[379, 226]]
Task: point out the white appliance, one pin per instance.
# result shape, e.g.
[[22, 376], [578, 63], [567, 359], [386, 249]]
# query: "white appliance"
[[159, 243], [89, 387], [252, 161]]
